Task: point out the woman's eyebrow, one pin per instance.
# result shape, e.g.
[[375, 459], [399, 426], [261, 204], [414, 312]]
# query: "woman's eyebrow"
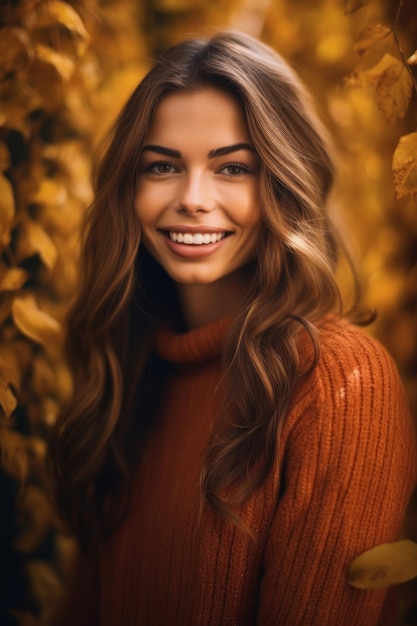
[[176, 154], [228, 149]]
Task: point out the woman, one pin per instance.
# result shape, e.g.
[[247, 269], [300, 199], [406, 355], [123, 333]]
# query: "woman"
[[232, 442]]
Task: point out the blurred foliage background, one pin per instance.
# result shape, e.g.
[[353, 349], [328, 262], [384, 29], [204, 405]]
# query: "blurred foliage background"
[[66, 68]]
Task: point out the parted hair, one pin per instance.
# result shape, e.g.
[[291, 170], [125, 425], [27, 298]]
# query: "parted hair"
[[123, 293]]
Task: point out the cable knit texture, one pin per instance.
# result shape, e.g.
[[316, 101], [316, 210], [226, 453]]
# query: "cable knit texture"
[[344, 471]]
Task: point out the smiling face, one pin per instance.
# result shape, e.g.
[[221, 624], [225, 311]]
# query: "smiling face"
[[197, 196]]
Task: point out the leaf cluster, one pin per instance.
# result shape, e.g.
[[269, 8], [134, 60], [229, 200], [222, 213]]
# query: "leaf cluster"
[[44, 189], [44, 186], [383, 65]]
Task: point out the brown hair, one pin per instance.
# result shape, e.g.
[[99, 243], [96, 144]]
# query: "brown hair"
[[293, 284]]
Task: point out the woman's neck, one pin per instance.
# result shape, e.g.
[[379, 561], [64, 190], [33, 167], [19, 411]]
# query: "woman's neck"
[[202, 304]]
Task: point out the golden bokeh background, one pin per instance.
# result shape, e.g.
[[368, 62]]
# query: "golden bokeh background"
[[66, 68]]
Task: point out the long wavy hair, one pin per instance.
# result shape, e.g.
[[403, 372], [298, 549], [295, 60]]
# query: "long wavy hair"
[[123, 292]]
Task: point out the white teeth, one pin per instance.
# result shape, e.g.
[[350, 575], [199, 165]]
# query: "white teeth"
[[196, 239]]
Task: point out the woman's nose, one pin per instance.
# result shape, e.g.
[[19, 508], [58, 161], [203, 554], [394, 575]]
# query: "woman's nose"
[[196, 194]]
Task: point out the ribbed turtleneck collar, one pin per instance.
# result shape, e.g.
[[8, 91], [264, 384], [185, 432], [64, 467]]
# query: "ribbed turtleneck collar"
[[192, 346]]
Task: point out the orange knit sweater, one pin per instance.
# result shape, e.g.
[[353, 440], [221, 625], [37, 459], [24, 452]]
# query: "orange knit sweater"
[[344, 471]]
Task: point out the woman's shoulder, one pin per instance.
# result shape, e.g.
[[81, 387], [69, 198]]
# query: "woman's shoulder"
[[352, 409], [349, 350], [354, 373], [353, 399]]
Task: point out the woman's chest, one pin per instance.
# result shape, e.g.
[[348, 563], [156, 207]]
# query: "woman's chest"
[[206, 571]]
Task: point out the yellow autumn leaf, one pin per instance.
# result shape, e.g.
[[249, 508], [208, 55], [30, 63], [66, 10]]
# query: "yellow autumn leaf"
[[62, 221], [384, 565], [50, 410], [393, 92], [50, 192], [74, 165], [13, 278], [404, 165], [9, 366], [38, 447], [43, 378], [35, 508], [33, 239], [33, 322], [63, 382], [63, 66], [370, 36], [56, 12], [15, 49], [63, 278], [26, 97], [7, 208], [351, 6], [371, 76], [372, 44], [47, 589], [8, 400], [65, 554], [15, 359], [13, 454], [15, 117], [412, 60]]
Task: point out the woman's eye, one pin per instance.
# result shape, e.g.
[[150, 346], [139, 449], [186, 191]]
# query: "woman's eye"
[[235, 169], [161, 168]]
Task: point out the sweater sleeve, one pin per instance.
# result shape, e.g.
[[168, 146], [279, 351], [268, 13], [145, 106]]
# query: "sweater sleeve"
[[349, 464]]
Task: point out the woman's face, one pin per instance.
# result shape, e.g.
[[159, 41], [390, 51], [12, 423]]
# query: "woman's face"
[[197, 197]]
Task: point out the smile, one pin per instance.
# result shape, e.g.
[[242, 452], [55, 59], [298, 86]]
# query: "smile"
[[196, 239]]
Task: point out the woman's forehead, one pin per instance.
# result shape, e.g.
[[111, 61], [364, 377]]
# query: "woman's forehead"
[[207, 115]]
